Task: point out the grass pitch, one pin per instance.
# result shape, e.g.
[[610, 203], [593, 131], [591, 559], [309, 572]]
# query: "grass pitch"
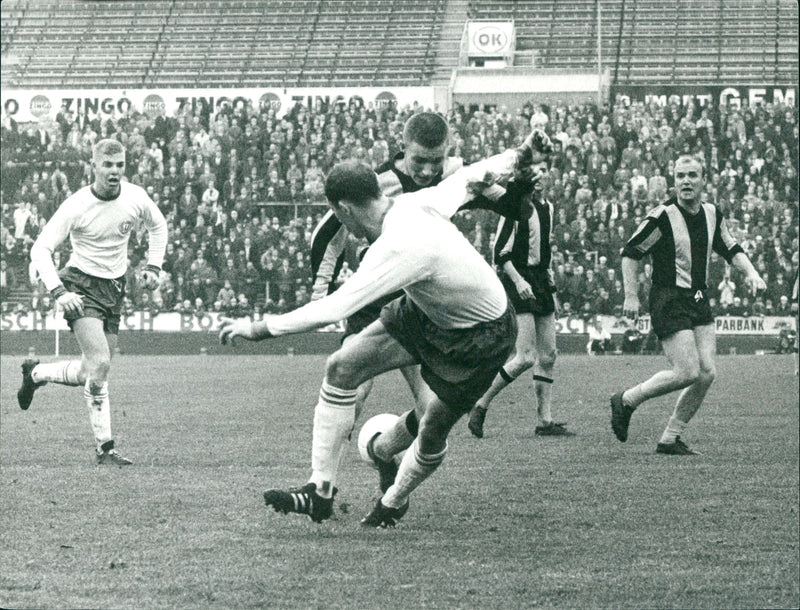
[[510, 521]]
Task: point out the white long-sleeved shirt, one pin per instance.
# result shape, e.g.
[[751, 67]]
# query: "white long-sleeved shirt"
[[421, 252], [99, 231]]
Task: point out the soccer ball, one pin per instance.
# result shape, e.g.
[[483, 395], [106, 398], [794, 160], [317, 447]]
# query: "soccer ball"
[[375, 424]]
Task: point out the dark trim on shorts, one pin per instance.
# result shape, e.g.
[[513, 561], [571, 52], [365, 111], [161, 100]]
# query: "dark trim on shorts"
[[102, 297], [674, 309]]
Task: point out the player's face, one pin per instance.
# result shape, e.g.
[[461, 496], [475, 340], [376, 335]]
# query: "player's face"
[[346, 215], [423, 164], [689, 181], [539, 170], [108, 172]]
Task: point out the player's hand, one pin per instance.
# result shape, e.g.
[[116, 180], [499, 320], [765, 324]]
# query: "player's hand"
[[71, 303], [524, 290], [556, 306], [479, 185], [229, 329], [149, 279], [534, 148], [630, 308], [755, 283]]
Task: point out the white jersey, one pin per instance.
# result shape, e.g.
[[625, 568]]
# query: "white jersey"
[[99, 231], [421, 252]]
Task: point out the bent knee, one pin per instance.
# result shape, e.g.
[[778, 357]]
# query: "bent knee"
[[524, 359], [707, 374], [97, 368], [432, 438], [340, 371], [687, 373], [547, 360]]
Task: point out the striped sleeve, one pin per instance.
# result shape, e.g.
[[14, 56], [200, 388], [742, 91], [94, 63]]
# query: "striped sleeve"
[[504, 242], [724, 243], [327, 253], [646, 236], [514, 203]]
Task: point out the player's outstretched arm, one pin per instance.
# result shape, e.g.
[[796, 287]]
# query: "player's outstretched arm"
[[245, 328], [753, 280]]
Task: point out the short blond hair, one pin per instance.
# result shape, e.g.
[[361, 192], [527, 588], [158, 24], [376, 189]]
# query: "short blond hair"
[[107, 147], [692, 159]]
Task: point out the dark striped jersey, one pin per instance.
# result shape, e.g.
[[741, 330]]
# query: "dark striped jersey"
[[329, 238], [526, 241], [680, 244]]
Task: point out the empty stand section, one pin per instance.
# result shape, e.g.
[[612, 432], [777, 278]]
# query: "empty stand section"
[[659, 41], [218, 43]]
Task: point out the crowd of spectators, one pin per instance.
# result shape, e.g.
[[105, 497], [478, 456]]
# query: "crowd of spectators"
[[242, 190]]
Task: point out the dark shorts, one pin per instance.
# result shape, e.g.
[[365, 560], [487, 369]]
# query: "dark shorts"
[[102, 298], [542, 304], [674, 309], [367, 315], [458, 364]]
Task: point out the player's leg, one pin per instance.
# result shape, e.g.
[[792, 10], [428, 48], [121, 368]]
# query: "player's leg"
[[691, 397], [546, 355], [425, 455], [523, 359], [681, 352], [372, 352], [419, 389], [384, 447], [63, 372], [94, 343], [36, 374], [368, 354]]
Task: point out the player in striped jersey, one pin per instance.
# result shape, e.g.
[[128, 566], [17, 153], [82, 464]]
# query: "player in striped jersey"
[[522, 252], [680, 236], [98, 219], [453, 319], [423, 164]]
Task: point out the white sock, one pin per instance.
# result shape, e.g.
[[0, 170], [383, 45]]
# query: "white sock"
[[334, 417], [66, 372], [673, 430], [99, 410], [633, 397], [414, 469], [393, 441], [543, 388]]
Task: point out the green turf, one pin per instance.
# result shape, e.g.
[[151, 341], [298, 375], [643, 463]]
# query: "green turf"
[[509, 521]]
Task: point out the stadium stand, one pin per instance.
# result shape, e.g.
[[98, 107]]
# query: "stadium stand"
[[170, 43], [274, 188], [659, 41]]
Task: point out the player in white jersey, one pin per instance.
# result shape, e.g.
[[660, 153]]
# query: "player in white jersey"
[[454, 319], [98, 219], [422, 164]]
